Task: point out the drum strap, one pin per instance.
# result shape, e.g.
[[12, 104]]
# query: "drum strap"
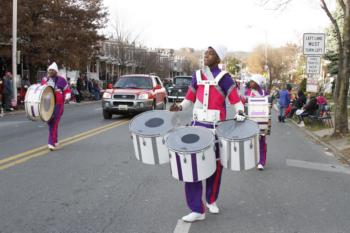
[[207, 84], [203, 113]]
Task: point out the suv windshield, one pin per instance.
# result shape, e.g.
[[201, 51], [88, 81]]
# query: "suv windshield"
[[182, 81], [134, 82]]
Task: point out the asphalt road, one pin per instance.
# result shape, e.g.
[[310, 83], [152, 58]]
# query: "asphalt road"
[[94, 183]]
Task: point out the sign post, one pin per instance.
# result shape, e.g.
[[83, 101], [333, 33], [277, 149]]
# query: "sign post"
[[313, 49]]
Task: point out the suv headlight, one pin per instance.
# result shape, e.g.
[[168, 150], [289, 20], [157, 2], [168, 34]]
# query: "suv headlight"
[[107, 95], [143, 96]]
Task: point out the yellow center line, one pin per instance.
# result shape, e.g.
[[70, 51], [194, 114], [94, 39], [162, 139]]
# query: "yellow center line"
[[14, 157], [42, 150]]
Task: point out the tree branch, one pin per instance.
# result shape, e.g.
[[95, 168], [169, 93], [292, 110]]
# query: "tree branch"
[[279, 5], [334, 22], [342, 4]]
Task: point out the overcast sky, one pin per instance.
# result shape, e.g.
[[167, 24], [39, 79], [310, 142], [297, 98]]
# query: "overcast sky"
[[239, 24]]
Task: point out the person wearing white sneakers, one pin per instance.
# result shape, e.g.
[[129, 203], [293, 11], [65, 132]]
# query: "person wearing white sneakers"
[[62, 93], [255, 90], [209, 104]]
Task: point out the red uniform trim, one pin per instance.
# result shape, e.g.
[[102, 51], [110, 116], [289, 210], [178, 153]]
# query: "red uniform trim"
[[216, 182]]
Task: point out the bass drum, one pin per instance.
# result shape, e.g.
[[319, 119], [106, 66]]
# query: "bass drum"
[[40, 102], [192, 153], [148, 133], [239, 144]]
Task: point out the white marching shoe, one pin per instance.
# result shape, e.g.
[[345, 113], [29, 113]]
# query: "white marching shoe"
[[51, 147], [193, 216], [213, 208], [260, 167]]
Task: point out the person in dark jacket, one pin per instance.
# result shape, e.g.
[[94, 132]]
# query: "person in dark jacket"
[[309, 109], [8, 91], [283, 102], [298, 103]]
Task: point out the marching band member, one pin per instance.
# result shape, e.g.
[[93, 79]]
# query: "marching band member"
[[209, 104], [62, 94], [255, 90]]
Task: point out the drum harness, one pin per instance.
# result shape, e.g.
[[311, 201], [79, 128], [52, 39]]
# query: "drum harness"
[[204, 114]]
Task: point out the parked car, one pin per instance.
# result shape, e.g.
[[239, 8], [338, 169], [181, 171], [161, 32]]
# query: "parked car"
[[133, 94], [179, 88]]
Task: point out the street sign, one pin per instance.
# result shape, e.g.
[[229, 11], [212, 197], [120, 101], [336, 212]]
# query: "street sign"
[[313, 65], [312, 83], [314, 43]]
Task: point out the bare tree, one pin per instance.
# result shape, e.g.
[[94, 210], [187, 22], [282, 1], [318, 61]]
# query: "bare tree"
[[342, 81]]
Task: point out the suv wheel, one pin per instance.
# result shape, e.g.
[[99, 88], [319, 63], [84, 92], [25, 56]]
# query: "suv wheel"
[[107, 115]]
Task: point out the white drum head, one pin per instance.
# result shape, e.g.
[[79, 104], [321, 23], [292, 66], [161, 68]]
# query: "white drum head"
[[190, 139], [47, 104], [237, 130], [153, 123]]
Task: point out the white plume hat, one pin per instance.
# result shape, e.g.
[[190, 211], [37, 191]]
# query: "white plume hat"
[[220, 50], [53, 66], [257, 78]]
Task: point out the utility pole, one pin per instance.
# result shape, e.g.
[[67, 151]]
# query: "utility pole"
[[14, 50]]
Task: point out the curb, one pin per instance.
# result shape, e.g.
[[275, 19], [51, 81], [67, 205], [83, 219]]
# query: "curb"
[[337, 153]]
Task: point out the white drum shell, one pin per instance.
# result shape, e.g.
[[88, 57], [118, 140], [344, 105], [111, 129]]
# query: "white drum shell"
[[150, 150], [32, 102], [259, 110], [193, 167], [241, 154]]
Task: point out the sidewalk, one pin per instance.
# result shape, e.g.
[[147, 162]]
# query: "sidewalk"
[[339, 147]]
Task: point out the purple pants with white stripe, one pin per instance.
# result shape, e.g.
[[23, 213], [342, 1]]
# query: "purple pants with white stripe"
[[194, 190], [53, 124], [263, 149]]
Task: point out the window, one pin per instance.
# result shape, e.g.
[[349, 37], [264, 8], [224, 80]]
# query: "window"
[[134, 82]]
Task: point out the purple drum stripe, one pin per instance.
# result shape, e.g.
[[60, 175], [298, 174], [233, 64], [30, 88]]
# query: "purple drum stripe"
[[178, 163], [241, 156], [229, 155], [155, 151], [139, 147], [32, 110], [257, 100], [194, 167]]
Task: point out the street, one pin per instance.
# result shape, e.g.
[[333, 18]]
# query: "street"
[[93, 183]]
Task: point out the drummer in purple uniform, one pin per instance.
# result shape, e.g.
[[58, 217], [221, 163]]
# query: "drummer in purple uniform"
[[255, 90], [209, 109], [62, 94]]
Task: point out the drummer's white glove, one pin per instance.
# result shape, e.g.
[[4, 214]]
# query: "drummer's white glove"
[[67, 97], [239, 111], [239, 116]]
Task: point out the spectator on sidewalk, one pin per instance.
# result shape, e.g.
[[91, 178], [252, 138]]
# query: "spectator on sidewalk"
[[23, 90], [1, 95], [298, 103], [80, 88], [8, 91], [283, 101], [309, 109], [321, 100], [96, 89]]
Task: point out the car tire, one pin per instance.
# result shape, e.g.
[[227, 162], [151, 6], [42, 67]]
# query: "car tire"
[[107, 115]]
